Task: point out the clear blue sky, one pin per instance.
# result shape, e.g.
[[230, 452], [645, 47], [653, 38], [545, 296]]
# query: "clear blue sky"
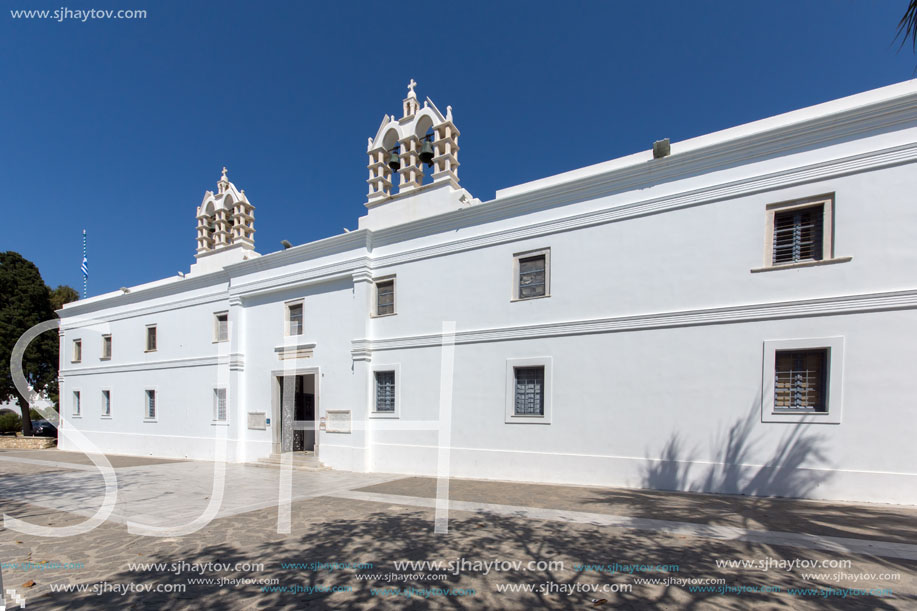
[[120, 126]]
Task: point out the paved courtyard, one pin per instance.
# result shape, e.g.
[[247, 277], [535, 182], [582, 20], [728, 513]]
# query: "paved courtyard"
[[508, 546]]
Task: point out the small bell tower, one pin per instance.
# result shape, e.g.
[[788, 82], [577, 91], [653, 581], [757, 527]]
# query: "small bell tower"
[[225, 228], [423, 142]]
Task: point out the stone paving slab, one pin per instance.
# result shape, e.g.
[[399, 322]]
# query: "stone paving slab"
[[377, 531], [894, 523], [61, 456]]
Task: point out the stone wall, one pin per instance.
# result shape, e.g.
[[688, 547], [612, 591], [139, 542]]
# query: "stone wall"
[[8, 442]]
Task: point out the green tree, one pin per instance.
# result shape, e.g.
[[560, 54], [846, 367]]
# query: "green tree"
[[61, 295], [24, 302]]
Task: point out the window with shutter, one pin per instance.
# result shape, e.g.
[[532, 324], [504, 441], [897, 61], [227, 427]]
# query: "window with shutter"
[[151, 404], [294, 319], [385, 297], [532, 277], [798, 235], [529, 399], [219, 404], [800, 380], [385, 391], [221, 330]]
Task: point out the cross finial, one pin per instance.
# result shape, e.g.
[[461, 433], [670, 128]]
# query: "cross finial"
[[224, 172], [411, 86]]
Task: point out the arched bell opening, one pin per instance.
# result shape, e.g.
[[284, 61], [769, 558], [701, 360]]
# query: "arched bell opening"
[[425, 137]]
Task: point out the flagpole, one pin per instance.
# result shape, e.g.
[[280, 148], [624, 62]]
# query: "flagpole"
[[85, 275]]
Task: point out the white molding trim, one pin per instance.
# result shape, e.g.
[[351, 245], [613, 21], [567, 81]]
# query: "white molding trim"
[[236, 362], [825, 306], [79, 323]]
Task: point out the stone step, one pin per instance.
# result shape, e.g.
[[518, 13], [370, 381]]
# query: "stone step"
[[301, 462]]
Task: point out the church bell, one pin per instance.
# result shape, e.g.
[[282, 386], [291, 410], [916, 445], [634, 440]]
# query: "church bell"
[[394, 161], [426, 153]]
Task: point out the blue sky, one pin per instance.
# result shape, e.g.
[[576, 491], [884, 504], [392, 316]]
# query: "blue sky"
[[120, 126]]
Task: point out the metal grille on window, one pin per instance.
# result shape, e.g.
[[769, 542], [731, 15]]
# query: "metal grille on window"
[[150, 404], [532, 277], [800, 380], [798, 235], [385, 298], [219, 404], [296, 319], [385, 391], [530, 391]]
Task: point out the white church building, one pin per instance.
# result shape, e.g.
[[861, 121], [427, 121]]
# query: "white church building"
[[732, 313]]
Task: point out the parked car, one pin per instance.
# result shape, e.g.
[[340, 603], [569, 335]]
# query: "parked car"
[[43, 428]]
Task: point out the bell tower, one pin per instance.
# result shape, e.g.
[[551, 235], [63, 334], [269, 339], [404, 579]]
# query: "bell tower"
[[422, 143], [225, 228]]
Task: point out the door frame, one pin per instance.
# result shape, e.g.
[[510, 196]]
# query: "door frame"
[[276, 408]]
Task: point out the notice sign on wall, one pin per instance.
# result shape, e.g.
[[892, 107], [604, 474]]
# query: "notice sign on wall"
[[337, 421]]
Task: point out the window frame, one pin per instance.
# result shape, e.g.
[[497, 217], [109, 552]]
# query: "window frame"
[[216, 395], [827, 201], [76, 403], [76, 350], [834, 374], [146, 339], [216, 327], [106, 396], [146, 405], [517, 258], [379, 368], [106, 341], [384, 280], [287, 318], [510, 415]]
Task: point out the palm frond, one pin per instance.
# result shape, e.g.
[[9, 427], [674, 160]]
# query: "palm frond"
[[907, 27]]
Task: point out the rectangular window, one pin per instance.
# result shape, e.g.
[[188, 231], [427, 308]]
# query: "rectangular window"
[[221, 327], [800, 380], [529, 395], [798, 235], [106, 403], [151, 338], [77, 354], [106, 346], [219, 404], [150, 397], [76, 403], [385, 391], [532, 274], [385, 297], [294, 319]]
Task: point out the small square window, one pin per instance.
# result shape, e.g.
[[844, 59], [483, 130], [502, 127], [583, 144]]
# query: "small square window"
[[77, 354], [800, 380], [150, 400], [532, 275], [385, 391], [221, 327], [106, 403], [106, 346], [528, 390], [798, 235], [294, 318], [385, 297], [76, 403], [219, 404], [151, 338]]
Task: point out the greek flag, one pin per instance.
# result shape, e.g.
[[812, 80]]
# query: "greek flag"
[[85, 266]]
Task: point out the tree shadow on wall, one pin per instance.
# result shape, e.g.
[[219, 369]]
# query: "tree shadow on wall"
[[787, 473]]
